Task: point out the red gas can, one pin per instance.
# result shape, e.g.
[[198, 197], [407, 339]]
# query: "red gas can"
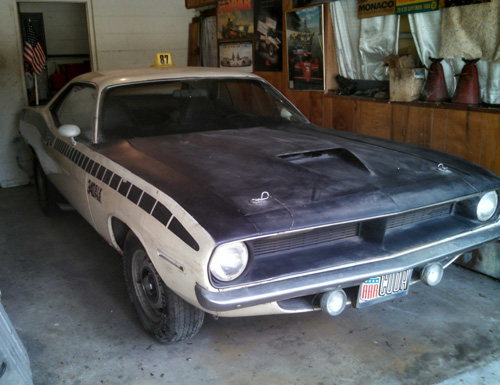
[[467, 91], [435, 87]]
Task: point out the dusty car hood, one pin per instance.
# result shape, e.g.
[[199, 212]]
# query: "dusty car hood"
[[312, 176]]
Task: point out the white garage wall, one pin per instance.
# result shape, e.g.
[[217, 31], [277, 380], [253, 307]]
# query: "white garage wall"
[[127, 34]]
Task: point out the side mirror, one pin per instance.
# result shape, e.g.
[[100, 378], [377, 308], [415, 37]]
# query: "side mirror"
[[69, 131], [285, 114]]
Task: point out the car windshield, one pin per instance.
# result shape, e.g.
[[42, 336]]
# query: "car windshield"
[[191, 105]]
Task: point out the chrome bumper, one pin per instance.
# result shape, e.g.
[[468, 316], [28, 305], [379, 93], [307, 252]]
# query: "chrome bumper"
[[343, 276]]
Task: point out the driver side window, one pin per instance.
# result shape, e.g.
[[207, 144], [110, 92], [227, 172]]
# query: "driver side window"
[[77, 106]]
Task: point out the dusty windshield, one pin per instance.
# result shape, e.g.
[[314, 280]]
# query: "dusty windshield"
[[192, 105]]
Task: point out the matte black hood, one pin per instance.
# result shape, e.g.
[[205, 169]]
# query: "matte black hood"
[[313, 176]]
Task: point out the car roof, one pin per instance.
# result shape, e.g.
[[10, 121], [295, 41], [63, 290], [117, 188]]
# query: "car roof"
[[124, 76]]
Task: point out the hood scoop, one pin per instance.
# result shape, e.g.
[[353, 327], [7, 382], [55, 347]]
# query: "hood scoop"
[[339, 154]]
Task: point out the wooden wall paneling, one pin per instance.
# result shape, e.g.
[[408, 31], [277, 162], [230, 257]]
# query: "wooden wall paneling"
[[272, 77], [489, 142], [496, 162], [316, 108], [439, 129], [301, 100], [343, 111], [373, 119], [474, 132], [199, 3], [456, 138], [327, 112], [400, 117], [194, 44], [420, 126]]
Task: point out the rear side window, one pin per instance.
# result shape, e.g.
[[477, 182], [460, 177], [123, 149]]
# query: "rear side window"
[[77, 106]]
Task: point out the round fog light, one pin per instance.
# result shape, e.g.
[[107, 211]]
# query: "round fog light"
[[432, 274], [333, 302], [487, 206]]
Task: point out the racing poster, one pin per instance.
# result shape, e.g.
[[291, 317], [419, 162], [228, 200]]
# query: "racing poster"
[[268, 35], [234, 19], [304, 32], [237, 55]]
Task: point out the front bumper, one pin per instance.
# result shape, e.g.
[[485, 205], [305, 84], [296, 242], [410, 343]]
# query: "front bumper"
[[343, 276]]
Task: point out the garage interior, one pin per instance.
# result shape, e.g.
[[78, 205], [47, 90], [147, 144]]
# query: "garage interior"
[[62, 285]]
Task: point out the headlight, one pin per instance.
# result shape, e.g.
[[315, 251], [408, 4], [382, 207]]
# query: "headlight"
[[229, 261], [487, 206]]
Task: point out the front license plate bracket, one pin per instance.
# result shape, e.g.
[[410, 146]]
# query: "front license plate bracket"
[[383, 288]]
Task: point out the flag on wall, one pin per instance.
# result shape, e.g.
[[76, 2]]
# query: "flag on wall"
[[33, 51]]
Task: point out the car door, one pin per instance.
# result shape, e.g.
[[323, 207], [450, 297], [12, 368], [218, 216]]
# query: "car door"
[[77, 105]]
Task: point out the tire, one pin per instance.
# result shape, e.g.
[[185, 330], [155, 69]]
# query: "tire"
[[165, 315], [47, 194]]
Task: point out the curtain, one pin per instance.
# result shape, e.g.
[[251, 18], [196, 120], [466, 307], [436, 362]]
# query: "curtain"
[[362, 44], [426, 30], [429, 36], [209, 42]]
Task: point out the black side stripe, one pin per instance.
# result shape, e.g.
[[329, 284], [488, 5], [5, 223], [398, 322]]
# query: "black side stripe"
[[176, 227], [133, 193]]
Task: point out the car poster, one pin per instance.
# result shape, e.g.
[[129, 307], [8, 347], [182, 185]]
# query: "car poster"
[[268, 35], [234, 19], [304, 32], [237, 55]]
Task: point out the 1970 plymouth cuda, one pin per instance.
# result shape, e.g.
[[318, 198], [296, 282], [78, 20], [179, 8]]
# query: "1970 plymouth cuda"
[[223, 199]]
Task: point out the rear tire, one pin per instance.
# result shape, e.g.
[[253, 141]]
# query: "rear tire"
[[47, 194], [165, 315]]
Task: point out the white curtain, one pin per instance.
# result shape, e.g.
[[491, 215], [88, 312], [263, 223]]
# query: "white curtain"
[[209, 42], [427, 32], [361, 44]]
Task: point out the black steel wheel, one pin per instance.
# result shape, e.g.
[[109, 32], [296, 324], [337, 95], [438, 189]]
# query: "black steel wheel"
[[47, 195], [165, 315]]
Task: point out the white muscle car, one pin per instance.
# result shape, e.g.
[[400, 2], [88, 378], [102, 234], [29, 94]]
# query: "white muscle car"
[[224, 199]]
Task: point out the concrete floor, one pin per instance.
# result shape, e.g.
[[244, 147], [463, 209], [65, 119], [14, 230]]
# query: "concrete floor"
[[63, 289]]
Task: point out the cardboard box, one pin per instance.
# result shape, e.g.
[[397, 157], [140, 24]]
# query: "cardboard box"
[[405, 84]]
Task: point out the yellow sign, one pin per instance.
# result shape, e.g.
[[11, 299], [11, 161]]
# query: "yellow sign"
[[372, 8], [163, 59], [404, 7]]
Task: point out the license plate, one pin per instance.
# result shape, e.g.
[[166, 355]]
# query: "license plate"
[[384, 287]]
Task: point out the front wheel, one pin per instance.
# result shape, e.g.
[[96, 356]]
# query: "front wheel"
[[165, 315]]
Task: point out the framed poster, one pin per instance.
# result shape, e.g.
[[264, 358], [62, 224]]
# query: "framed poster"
[[234, 19], [268, 35], [237, 55], [304, 32]]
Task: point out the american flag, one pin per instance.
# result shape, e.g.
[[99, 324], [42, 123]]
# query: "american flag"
[[33, 51]]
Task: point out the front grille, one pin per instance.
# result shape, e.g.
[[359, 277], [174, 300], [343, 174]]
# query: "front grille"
[[314, 237], [323, 235], [418, 216]]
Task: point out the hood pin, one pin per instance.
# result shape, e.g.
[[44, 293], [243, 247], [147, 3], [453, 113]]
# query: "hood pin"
[[263, 197], [442, 167]]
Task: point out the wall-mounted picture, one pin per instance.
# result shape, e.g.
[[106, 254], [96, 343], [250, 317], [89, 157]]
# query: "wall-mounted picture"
[[234, 19], [237, 55], [268, 35], [304, 31]]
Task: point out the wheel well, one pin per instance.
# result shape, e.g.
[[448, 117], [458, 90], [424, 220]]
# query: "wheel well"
[[120, 231]]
